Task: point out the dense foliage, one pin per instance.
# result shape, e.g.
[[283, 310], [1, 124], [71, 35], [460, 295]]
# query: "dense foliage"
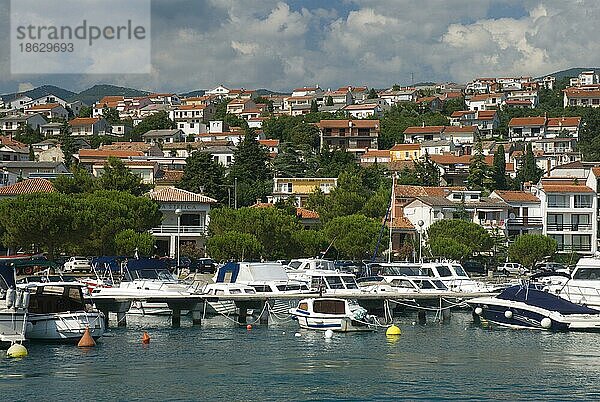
[[457, 239], [528, 249]]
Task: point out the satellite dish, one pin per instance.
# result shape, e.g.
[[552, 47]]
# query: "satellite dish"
[[512, 215], [440, 215]]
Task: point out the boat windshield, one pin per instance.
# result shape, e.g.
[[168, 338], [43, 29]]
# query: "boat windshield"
[[56, 299], [291, 287], [397, 270], [423, 284], [587, 274], [439, 285], [402, 283], [162, 274], [350, 282], [334, 282], [459, 271], [324, 264], [443, 271]]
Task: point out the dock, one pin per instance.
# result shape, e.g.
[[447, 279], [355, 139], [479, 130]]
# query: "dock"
[[195, 304]]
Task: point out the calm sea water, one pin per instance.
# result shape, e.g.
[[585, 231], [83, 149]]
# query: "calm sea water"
[[451, 361]]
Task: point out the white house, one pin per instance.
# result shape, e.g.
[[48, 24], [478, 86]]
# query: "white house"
[[363, 111], [164, 136], [524, 212], [48, 110], [185, 219], [87, 126], [9, 125]]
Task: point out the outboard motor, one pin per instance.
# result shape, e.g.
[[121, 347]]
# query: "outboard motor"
[[25, 299]]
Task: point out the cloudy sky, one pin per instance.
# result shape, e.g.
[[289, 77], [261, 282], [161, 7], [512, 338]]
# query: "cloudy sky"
[[282, 44]]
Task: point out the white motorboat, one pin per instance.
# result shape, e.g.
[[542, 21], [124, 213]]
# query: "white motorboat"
[[58, 312], [321, 276], [529, 307], [339, 315], [456, 279], [581, 287], [13, 308], [267, 278], [224, 307], [146, 279]]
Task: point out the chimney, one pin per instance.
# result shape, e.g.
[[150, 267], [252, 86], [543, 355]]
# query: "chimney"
[[423, 124]]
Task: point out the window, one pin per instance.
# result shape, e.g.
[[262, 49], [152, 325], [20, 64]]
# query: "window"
[[329, 306], [191, 220], [518, 131], [583, 201], [595, 101], [558, 201], [228, 159], [285, 187], [406, 155], [535, 130], [555, 222], [580, 222], [581, 242], [342, 132], [560, 240], [334, 282], [303, 306], [443, 271]]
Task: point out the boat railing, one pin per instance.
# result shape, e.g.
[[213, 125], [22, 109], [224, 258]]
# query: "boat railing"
[[570, 290]]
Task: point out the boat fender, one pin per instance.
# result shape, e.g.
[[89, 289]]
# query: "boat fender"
[[328, 334], [16, 350], [11, 295], [478, 310], [546, 323], [508, 314], [25, 296]]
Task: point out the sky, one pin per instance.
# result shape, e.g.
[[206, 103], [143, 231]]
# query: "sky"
[[284, 44]]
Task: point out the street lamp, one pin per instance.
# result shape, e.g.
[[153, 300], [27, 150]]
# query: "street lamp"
[[420, 223], [178, 213]]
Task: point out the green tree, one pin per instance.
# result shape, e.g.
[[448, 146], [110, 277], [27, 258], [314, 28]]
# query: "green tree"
[[310, 243], [128, 242], [202, 174], [28, 135], [372, 94], [329, 101], [252, 171], [85, 111], [80, 182], [529, 171], [427, 171], [117, 176], [478, 170], [457, 239], [353, 236], [305, 134], [111, 115], [156, 121], [314, 107], [31, 153], [453, 105], [528, 249], [499, 169], [289, 163], [234, 245]]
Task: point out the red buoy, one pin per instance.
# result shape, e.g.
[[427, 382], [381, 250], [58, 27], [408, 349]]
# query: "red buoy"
[[86, 340], [145, 338]]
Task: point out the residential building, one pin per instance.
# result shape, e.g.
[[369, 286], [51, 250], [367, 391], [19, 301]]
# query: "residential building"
[[466, 135], [356, 136], [10, 125], [190, 118], [14, 152], [585, 78], [376, 156], [221, 154], [358, 94], [185, 219], [27, 186], [341, 97], [454, 169], [88, 126], [18, 103], [239, 106], [50, 129], [527, 98], [582, 96], [49, 111], [485, 120], [299, 188], [491, 101], [314, 91], [405, 152], [29, 169], [363, 111], [524, 212], [439, 147], [392, 97], [164, 136], [563, 127], [146, 170], [271, 145], [526, 128], [417, 134]]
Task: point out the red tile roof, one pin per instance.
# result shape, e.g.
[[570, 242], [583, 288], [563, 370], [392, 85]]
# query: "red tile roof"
[[83, 121], [527, 121], [405, 147], [424, 130], [402, 222], [567, 188], [269, 143], [378, 153], [44, 106], [519, 102], [306, 213], [172, 194], [457, 129], [451, 159], [28, 186], [346, 123], [582, 93], [564, 121], [517, 196], [407, 191], [105, 153]]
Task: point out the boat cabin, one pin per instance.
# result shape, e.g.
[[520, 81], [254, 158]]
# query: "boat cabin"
[[55, 298]]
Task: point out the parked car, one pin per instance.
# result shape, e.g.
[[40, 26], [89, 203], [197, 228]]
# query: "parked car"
[[77, 264], [474, 267], [203, 265], [512, 268], [550, 267]]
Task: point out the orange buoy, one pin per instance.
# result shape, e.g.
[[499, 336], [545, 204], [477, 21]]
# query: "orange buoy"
[[145, 338], [248, 327], [86, 340]]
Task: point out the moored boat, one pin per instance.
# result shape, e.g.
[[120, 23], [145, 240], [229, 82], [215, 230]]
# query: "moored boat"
[[529, 307], [339, 315], [13, 308]]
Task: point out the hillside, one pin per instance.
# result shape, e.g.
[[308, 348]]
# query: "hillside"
[[42, 91], [97, 92], [573, 72], [197, 92]]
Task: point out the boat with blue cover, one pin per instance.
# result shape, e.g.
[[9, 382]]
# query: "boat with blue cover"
[[528, 306]]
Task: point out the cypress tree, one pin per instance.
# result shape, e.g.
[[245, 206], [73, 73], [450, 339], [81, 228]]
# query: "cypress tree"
[[499, 170]]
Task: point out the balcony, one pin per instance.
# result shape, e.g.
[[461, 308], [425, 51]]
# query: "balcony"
[[566, 227], [184, 230], [524, 221], [574, 247]]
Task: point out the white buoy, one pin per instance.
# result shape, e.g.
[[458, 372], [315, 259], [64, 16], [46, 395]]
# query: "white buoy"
[[328, 334], [478, 310], [508, 314], [297, 335], [546, 323]]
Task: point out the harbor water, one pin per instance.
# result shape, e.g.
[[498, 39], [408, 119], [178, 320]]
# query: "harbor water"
[[220, 361]]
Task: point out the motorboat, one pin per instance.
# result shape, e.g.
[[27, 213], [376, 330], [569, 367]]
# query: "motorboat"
[[215, 306], [528, 306], [267, 278], [322, 276], [303, 264], [58, 312], [146, 279], [581, 287], [13, 308], [456, 279], [339, 315]]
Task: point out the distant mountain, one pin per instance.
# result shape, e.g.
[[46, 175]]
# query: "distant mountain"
[[266, 92], [197, 92], [572, 72], [41, 91], [97, 92]]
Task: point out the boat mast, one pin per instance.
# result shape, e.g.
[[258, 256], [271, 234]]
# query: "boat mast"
[[392, 215]]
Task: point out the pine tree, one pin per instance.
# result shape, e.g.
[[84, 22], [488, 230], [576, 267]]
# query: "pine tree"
[[329, 101], [372, 94], [427, 171], [31, 153], [203, 174], [314, 107], [288, 162], [478, 170], [499, 169], [529, 172]]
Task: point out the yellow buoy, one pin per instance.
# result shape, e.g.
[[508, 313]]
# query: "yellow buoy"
[[393, 331], [16, 350]]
